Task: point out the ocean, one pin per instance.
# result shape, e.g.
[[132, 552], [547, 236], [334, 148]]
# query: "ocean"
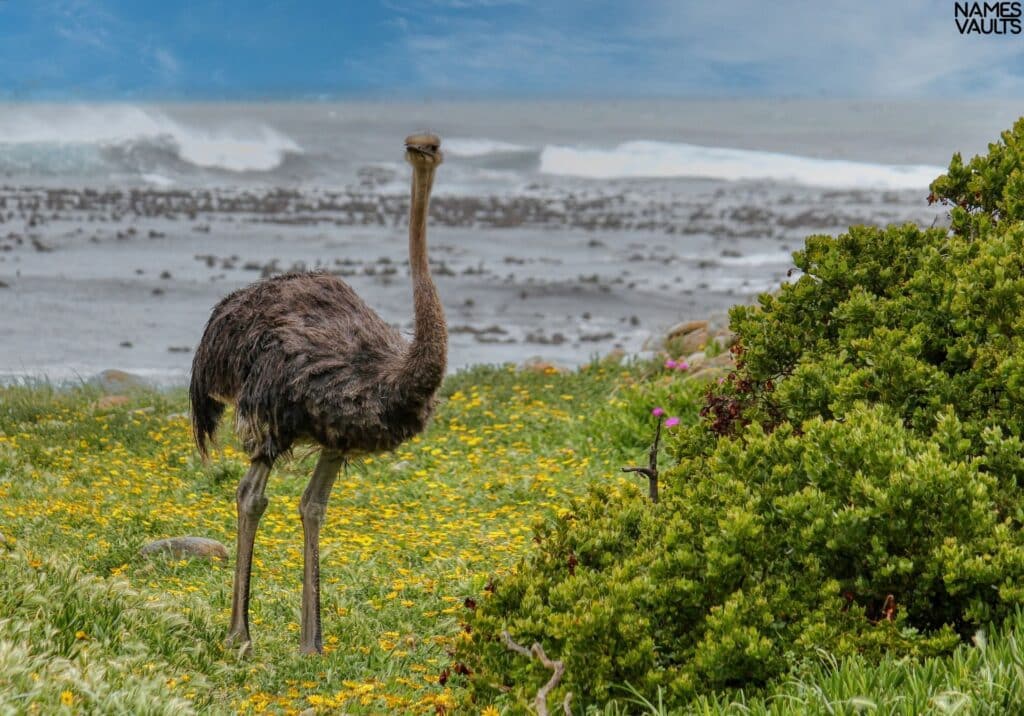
[[559, 230]]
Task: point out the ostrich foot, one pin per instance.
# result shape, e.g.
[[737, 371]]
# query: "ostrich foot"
[[239, 641], [311, 650]]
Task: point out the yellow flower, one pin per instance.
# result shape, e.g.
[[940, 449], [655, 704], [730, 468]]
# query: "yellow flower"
[[81, 635], [490, 711], [67, 698]]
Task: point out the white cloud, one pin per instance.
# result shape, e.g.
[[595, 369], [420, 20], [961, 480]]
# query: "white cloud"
[[83, 24], [789, 47], [166, 62], [867, 48]]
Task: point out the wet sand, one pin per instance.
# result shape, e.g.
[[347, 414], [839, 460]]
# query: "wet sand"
[[125, 279]]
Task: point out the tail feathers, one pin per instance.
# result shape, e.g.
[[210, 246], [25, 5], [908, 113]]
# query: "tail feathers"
[[206, 413]]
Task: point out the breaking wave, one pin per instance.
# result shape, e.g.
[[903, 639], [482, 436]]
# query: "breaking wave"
[[642, 159], [37, 136], [465, 147]]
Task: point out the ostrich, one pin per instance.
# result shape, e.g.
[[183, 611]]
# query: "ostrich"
[[303, 358]]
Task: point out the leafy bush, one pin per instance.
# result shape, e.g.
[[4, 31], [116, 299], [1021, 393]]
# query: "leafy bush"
[[988, 189], [854, 486]]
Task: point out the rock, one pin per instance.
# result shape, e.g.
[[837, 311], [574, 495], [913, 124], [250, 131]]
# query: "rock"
[[708, 374], [615, 356], [118, 382], [725, 339], [681, 329], [654, 343], [539, 365], [110, 401], [722, 360], [687, 337], [201, 547], [692, 341], [696, 360]]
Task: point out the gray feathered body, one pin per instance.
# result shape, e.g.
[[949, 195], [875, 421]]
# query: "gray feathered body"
[[302, 357]]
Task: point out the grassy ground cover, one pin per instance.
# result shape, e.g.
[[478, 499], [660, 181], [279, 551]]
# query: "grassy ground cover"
[[88, 625]]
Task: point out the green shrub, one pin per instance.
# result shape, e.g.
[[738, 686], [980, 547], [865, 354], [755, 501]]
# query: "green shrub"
[[988, 189], [854, 486]]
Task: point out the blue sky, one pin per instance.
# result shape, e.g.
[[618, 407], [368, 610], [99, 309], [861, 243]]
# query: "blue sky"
[[400, 49]]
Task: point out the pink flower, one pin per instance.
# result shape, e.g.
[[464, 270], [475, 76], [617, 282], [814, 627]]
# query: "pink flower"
[[721, 380], [683, 365], [658, 412], [670, 363], [672, 422]]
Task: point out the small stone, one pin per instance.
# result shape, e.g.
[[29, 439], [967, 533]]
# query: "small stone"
[[615, 355], [722, 360], [696, 360], [693, 341], [655, 342], [707, 374], [539, 365], [201, 547], [118, 382], [681, 329], [110, 401], [725, 340]]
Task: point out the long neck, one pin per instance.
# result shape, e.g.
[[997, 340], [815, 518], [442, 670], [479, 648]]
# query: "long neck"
[[424, 364]]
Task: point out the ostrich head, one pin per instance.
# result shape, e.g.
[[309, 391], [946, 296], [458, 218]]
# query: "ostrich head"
[[423, 151]]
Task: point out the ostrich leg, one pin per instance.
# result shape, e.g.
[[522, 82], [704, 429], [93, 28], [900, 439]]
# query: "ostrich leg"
[[313, 507], [251, 504]]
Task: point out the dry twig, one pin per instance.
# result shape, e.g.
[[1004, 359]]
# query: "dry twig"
[[651, 471], [540, 703]]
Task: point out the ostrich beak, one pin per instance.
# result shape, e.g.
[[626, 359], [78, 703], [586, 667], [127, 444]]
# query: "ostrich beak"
[[425, 144]]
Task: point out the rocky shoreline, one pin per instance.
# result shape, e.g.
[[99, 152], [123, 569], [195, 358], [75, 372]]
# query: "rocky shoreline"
[[93, 278]]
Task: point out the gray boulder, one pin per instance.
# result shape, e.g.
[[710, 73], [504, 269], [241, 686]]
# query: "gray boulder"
[[201, 547], [119, 382]]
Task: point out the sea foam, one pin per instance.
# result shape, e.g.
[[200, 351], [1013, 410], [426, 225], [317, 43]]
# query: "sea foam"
[[233, 148], [641, 159], [474, 147]]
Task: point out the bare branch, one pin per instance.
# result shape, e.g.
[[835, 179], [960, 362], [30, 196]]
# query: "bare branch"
[[513, 646], [651, 470], [540, 703]]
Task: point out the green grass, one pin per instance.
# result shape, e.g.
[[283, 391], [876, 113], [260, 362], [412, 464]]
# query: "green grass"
[[984, 678], [87, 626]]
